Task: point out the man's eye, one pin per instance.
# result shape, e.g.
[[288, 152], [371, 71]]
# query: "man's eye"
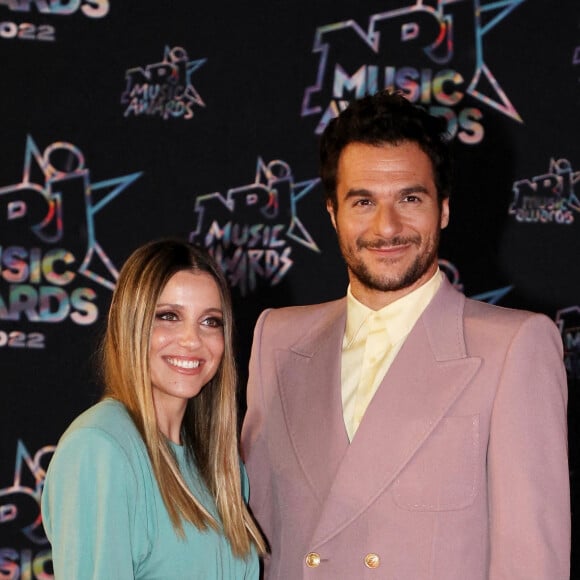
[[363, 202]]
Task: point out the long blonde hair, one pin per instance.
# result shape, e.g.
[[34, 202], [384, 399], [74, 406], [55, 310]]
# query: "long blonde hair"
[[209, 428]]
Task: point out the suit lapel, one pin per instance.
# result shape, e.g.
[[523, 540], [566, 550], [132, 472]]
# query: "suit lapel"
[[426, 378], [309, 380]]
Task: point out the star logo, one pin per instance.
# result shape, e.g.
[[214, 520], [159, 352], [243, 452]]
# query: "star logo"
[[549, 197], [252, 229], [272, 196], [20, 501], [426, 34], [56, 203], [163, 88]]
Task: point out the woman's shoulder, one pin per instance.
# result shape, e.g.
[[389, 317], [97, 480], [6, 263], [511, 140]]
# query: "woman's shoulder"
[[107, 413], [106, 420]]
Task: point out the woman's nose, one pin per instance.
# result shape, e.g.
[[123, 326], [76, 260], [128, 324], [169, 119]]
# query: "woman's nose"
[[189, 336]]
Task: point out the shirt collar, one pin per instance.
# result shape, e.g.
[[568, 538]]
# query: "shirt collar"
[[399, 316]]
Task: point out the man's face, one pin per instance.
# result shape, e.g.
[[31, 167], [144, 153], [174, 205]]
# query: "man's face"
[[387, 219]]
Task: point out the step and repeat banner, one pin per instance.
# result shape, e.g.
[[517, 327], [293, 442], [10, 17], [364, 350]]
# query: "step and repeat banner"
[[122, 121]]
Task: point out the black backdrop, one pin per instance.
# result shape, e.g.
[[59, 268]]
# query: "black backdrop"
[[126, 121]]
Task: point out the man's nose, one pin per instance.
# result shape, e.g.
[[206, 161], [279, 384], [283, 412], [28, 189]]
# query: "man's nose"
[[387, 221]]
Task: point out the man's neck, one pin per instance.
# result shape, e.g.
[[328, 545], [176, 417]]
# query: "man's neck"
[[377, 299]]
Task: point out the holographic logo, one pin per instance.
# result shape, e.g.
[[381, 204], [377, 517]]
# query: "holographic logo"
[[90, 8], [163, 89], [49, 239], [31, 31], [549, 198], [251, 230], [20, 515], [415, 51]]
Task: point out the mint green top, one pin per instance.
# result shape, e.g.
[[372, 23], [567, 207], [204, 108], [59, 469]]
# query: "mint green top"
[[106, 520]]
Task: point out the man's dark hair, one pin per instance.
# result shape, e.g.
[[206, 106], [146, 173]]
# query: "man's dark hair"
[[385, 118]]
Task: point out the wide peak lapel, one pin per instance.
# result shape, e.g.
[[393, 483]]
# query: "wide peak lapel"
[[419, 389], [309, 382]]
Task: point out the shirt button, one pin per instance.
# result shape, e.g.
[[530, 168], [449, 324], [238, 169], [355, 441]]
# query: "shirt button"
[[313, 560], [372, 561]]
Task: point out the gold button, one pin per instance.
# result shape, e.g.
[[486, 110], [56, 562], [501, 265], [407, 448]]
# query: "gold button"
[[313, 560], [372, 561]]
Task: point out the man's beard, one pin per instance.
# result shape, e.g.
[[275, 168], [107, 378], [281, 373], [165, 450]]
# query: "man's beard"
[[385, 282]]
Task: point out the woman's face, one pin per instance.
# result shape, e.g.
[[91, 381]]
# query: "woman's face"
[[187, 339]]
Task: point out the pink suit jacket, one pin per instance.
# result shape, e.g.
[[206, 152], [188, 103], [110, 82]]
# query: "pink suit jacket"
[[458, 470]]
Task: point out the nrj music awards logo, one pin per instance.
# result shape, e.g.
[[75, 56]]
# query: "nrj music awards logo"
[[90, 8], [433, 55], [163, 89], [43, 32], [49, 246], [547, 198], [251, 229], [20, 517]]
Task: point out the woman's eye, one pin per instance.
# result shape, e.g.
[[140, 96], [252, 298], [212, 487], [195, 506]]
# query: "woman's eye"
[[213, 322], [166, 316]]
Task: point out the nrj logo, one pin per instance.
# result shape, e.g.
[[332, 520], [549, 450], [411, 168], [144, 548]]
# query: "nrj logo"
[[568, 321], [250, 230], [163, 89], [20, 501], [47, 220], [418, 50], [547, 198], [20, 516]]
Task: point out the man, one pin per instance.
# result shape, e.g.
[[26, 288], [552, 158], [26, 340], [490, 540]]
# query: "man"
[[404, 432]]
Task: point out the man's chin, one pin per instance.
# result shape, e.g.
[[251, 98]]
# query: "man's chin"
[[390, 283]]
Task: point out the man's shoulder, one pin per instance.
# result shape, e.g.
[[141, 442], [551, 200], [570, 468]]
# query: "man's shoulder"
[[290, 324], [310, 312], [494, 312], [501, 320]]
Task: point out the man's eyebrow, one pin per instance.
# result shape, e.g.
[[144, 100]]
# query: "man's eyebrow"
[[362, 192], [414, 189], [358, 193]]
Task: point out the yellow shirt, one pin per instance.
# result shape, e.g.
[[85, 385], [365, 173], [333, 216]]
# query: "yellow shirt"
[[372, 339]]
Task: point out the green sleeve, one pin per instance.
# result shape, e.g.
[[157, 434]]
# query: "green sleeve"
[[88, 508]]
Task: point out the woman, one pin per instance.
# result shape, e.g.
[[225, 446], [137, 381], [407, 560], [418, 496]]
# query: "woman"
[[148, 482]]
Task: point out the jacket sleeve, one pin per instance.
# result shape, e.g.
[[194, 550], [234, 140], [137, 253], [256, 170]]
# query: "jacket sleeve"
[[254, 445], [88, 507], [528, 477]]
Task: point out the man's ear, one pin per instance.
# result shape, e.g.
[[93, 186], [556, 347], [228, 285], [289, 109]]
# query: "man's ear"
[[444, 213], [330, 210]]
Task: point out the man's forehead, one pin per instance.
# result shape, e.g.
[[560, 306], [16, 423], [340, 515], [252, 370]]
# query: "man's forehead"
[[361, 164]]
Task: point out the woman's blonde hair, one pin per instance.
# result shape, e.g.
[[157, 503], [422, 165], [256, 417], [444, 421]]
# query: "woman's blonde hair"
[[209, 429]]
